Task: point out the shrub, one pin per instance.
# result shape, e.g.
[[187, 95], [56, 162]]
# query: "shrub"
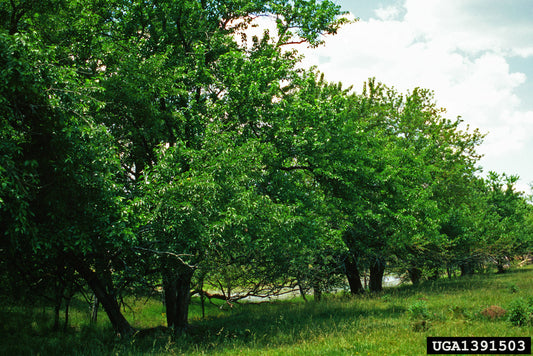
[[521, 312]]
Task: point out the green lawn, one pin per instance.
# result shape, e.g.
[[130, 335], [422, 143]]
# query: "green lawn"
[[395, 322]]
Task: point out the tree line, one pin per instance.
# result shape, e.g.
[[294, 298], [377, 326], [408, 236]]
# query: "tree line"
[[145, 146]]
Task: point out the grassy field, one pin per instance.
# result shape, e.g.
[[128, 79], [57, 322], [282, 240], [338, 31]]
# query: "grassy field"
[[394, 322]]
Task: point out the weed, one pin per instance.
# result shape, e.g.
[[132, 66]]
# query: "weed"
[[421, 325], [386, 298], [458, 312], [513, 288], [419, 310]]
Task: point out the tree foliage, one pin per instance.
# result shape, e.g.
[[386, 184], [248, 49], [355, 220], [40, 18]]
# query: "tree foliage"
[[145, 144]]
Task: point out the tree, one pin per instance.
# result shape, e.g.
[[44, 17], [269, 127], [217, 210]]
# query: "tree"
[[116, 81], [505, 232], [382, 159], [63, 200]]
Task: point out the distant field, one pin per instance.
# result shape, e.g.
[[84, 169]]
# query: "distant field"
[[394, 322]]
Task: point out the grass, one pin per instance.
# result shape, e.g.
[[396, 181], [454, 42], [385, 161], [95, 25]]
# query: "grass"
[[394, 322]]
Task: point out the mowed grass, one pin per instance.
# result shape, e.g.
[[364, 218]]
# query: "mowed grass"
[[394, 322]]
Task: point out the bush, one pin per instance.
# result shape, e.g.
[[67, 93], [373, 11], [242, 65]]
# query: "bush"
[[521, 312]]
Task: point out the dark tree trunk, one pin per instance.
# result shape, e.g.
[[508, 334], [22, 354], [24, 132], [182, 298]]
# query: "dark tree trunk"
[[302, 291], [502, 263], [202, 295], [70, 291], [415, 274], [501, 268], [177, 288], [467, 268], [353, 275], [57, 309], [67, 308], [108, 301], [377, 269], [59, 293], [317, 291], [170, 295]]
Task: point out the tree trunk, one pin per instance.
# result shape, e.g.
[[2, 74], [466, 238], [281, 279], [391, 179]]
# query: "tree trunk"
[[377, 269], [317, 291], [170, 295], [501, 268], [108, 301], [467, 268], [67, 307], [302, 290], [70, 291], [353, 275], [59, 292], [202, 295], [57, 309], [415, 274], [502, 263], [177, 288]]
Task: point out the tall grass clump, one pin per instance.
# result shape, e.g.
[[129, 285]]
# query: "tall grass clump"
[[419, 310]]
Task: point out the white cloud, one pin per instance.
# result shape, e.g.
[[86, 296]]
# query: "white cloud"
[[388, 13]]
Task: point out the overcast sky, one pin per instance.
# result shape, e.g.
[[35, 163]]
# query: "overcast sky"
[[477, 55]]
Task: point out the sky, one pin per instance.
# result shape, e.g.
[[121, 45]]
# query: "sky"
[[476, 55]]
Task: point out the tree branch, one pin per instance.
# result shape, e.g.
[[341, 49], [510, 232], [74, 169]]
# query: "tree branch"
[[171, 254]]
